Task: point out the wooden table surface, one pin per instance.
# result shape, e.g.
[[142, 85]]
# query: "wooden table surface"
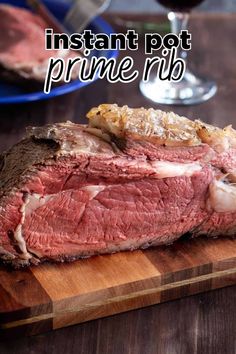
[[200, 324]]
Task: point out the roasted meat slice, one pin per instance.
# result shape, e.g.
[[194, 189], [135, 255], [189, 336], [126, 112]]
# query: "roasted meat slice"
[[23, 58], [130, 179]]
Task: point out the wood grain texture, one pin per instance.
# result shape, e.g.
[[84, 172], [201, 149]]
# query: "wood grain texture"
[[199, 324], [67, 294], [22, 294], [23, 297]]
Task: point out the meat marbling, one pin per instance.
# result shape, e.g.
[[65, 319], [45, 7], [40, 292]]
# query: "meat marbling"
[[23, 58], [132, 178]]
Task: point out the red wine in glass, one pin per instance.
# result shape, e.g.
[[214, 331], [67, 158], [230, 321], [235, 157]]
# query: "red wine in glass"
[[180, 5], [190, 89]]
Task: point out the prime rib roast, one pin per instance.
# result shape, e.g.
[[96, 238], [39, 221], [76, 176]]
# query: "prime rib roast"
[[23, 58], [131, 178]]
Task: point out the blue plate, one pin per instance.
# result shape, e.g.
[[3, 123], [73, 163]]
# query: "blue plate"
[[10, 93]]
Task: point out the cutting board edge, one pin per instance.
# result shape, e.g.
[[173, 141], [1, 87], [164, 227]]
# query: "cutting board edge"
[[132, 296], [202, 270]]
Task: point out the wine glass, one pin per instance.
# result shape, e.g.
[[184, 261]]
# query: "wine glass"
[[191, 89]]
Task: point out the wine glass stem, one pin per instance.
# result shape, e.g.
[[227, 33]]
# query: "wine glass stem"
[[179, 22]]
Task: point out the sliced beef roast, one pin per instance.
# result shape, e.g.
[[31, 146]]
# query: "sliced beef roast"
[[130, 179], [23, 57]]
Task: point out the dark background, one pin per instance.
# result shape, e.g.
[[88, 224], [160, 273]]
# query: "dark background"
[[152, 6]]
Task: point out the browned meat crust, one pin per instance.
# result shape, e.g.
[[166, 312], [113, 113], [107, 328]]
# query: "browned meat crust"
[[133, 178]]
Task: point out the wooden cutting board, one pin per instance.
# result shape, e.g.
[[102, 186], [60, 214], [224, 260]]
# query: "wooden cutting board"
[[51, 296]]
